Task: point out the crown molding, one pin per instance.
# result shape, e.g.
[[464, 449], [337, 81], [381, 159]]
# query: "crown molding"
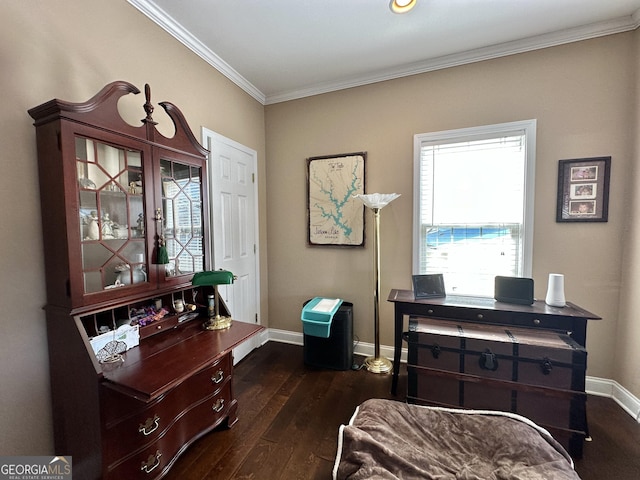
[[477, 55], [167, 23], [577, 34]]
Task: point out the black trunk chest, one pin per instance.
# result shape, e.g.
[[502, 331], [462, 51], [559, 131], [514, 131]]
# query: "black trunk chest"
[[539, 374]]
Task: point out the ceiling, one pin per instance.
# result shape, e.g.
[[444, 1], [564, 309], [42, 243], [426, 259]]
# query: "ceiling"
[[278, 50]]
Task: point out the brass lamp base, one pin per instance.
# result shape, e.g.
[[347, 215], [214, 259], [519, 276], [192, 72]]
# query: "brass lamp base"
[[378, 365], [217, 323]]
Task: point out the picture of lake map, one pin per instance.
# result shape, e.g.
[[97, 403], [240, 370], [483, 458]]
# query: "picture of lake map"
[[335, 217]]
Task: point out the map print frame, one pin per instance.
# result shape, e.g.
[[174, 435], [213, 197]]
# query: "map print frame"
[[334, 217]]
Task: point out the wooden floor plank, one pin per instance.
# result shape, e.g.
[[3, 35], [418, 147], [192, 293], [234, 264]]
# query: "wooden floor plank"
[[265, 458], [300, 408]]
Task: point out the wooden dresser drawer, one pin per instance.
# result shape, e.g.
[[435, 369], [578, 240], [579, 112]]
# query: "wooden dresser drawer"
[[150, 461], [483, 311], [147, 422], [119, 406]]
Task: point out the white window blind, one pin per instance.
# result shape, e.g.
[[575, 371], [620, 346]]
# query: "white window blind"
[[474, 205]]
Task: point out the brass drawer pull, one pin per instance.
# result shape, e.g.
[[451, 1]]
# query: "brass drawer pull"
[[219, 405], [152, 463], [150, 426], [218, 377]]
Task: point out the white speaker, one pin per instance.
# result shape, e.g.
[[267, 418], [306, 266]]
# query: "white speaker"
[[555, 291]]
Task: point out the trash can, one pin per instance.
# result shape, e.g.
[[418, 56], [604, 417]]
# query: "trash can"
[[330, 346]]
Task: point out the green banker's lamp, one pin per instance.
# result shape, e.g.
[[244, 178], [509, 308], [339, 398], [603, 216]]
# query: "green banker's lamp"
[[213, 279]]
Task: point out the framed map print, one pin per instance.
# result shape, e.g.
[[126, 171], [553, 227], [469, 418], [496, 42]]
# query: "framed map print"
[[334, 216]]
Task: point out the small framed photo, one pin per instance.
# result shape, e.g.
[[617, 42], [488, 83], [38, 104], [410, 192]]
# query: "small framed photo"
[[583, 190], [428, 286]]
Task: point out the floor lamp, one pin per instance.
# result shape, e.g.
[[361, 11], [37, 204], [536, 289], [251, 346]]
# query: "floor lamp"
[[376, 201]]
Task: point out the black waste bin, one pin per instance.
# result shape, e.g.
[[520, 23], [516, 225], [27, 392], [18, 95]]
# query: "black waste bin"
[[335, 352]]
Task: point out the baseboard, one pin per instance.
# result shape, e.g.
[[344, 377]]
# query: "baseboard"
[[612, 389], [595, 386], [285, 336], [359, 348]]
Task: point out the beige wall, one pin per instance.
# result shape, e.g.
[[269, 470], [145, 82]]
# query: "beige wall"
[[69, 49], [626, 352], [582, 96]]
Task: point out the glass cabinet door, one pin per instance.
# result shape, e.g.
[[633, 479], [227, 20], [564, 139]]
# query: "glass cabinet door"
[[182, 229], [112, 217]]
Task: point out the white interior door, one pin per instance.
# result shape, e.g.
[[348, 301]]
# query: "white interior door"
[[234, 228]]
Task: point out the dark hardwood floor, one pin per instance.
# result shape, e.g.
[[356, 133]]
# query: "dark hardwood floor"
[[289, 416]]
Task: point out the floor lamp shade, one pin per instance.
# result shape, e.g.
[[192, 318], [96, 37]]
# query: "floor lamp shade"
[[377, 201]]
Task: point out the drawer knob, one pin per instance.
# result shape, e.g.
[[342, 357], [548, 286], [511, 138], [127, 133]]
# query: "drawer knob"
[[150, 426], [480, 316], [430, 312], [218, 377], [152, 463], [536, 321], [218, 406]]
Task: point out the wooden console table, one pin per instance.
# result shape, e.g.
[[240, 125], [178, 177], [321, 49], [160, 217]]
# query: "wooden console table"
[[571, 318]]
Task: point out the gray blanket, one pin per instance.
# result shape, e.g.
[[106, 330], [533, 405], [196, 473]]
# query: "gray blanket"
[[392, 440]]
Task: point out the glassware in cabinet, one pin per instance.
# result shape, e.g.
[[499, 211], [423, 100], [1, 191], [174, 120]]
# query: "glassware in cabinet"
[[112, 214]]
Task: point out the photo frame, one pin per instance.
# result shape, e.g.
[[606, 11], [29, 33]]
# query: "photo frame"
[[428, 286], [583, 190], [334, 216]]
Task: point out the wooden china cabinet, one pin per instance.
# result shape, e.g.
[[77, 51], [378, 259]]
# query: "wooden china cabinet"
[[134, 378]]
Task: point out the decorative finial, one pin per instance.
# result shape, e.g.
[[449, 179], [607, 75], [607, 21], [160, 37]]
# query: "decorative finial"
[[148, 106]]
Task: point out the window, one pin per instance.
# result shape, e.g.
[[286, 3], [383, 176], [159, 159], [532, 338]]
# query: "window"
[[473, 205]]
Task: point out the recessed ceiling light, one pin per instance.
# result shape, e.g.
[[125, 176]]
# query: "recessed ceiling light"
[[402, 6]]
